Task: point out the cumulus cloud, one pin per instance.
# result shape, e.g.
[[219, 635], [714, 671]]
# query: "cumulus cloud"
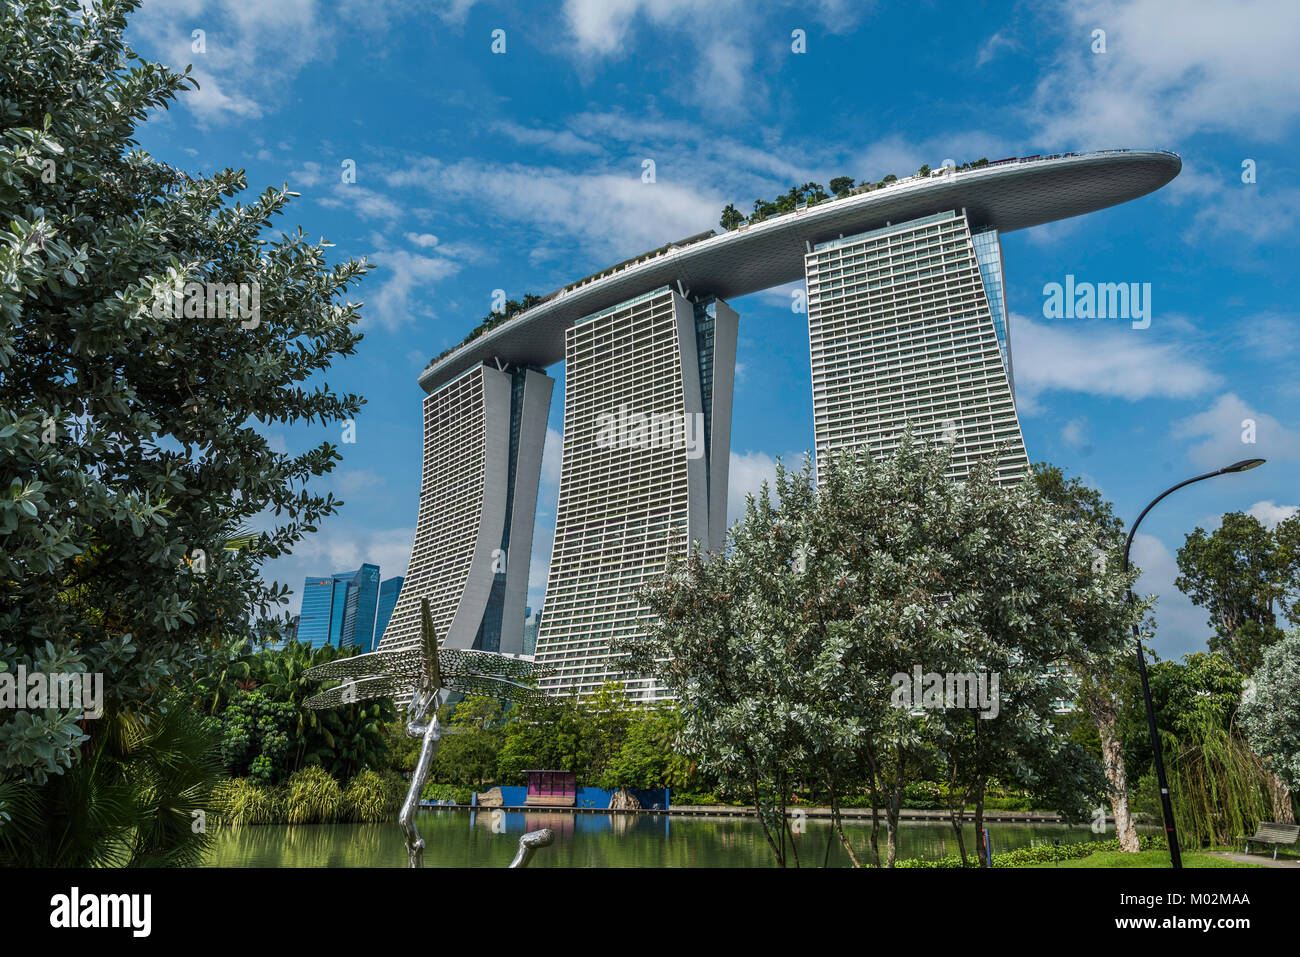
[[1272, 514], [720, 37], [610, 213], [1225, 428], [1102, 358], [1168, 74], [340, 546], [407, 283], [746, 474]]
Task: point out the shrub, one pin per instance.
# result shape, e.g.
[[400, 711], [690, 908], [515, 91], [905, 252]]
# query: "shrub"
[[445, 792], [314, 797], [245, 801], [371, 797], [1042, 853]]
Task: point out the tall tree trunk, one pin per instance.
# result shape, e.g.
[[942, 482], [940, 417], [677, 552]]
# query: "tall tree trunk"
[[894, 806], [1113, 759], [875, 812], [837, 822], [1282, 812], [981, 846]]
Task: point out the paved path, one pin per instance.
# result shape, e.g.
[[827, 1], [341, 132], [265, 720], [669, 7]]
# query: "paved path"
[[1260, 860]]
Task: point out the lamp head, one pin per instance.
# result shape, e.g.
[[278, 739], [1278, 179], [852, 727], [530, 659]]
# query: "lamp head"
[[1244, 465]]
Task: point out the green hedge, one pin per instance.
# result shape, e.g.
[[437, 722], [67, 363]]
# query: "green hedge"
[[310, 796], [1042, 853]]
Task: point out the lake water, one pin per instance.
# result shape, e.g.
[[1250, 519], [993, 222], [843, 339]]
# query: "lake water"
[[462, 838]]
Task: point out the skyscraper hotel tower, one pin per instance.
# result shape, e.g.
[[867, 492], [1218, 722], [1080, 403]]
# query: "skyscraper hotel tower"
[[908, 327]]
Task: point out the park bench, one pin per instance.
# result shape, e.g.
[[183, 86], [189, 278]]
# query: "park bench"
[[1271, 832]]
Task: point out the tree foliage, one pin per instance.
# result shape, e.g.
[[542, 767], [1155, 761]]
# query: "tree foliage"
[[782, 651], [1270, 710], [130, 437], [1244, 575]]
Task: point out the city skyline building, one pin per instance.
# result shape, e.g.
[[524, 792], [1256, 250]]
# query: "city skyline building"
[[388, 593], [643, 474], [907, 328], [532, 621], [339, 610], [483, 437]]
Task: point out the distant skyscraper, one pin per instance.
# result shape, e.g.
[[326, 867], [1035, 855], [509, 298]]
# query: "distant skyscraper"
[[388, 593], [908, 326], [531, 623], [359, 612], [340, 610], [647, 435]]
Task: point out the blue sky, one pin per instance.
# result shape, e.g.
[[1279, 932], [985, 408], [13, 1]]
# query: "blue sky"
[[522, 171]]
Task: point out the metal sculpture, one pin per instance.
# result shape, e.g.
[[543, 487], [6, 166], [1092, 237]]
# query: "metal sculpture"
[[420, 676], [529, 843]]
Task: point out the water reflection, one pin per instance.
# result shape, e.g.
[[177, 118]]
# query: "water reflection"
[[489, 838]]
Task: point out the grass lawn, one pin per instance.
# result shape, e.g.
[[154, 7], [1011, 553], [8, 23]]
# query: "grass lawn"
[[1144, 859]]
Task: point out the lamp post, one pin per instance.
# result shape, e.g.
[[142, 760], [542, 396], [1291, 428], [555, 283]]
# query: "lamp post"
[[1175, 858]]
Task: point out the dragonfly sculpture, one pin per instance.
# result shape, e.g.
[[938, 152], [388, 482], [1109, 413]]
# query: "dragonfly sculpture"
[[419, 676]]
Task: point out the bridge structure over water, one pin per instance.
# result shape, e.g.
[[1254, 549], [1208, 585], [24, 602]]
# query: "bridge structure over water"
[[908, 326]]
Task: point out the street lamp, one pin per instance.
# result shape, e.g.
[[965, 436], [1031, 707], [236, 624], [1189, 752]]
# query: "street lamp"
[[1175, 858]]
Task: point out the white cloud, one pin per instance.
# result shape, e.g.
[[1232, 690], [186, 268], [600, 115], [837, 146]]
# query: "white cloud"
[[720, 37], [552, 451], [1223, 427], [251, 51], [558, 141], [612, 214], [991, 47], [746, 473], [1271, 514], [354, 480], [1099, 357], [1075, 433], [1169, 73], [406, 286], [337, 547]]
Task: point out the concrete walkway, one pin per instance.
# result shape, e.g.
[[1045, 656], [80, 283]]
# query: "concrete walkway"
[[1260, 860]]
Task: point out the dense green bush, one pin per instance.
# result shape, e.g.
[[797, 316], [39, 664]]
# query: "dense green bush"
[[314, 797], [433, 791], [371, 797], [246, 801], [255, 736]]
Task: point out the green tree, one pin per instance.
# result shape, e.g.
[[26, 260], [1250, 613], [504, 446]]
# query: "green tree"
[[1270, 718], [468, 755], [782, 650], [1102, 678], [731, 217], [841, 185], [130, 436], [1243, 574], [255, 737]]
